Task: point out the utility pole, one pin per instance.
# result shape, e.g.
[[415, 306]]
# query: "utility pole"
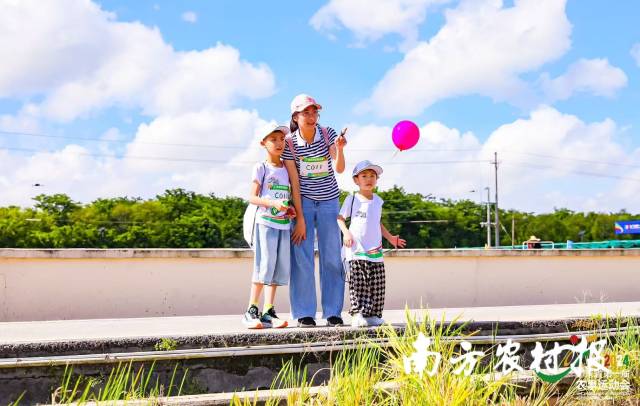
[[488, 224], [497, 216]]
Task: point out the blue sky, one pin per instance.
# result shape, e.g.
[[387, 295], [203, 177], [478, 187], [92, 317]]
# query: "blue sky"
[[561, 82]]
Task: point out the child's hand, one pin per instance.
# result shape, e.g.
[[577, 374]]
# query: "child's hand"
[[291, 212], [347, 239], [281, 205], [341, 141], [396, 241]]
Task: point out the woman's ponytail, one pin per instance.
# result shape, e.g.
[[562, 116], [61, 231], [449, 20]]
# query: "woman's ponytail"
[[293, 125]]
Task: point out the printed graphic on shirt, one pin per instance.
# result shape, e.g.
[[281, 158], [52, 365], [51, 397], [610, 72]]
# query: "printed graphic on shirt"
[[275, 185], [277, 192], [374, 253], [360, 214], [314, 167]]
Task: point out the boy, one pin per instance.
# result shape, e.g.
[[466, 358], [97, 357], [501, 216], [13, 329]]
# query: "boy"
[[270, 191], [363, 246]]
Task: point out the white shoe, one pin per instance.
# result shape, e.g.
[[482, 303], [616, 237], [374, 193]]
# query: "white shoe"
[[375, 321], [359, 321]]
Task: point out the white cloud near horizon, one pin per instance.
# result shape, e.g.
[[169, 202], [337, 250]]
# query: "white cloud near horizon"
[[547, 160], [544, 162]]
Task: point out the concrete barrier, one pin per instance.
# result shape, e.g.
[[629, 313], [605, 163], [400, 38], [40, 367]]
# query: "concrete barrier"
[[88, 283]]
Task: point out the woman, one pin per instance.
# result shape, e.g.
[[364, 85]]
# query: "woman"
[[310, 156]]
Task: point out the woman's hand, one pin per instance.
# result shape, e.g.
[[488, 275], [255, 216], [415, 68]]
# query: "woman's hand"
[[299, 231], [341, 141]]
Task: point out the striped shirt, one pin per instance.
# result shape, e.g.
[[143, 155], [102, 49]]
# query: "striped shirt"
[[314, 188]]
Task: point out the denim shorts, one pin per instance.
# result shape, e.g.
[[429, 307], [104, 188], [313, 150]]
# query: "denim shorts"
[[272, 258]]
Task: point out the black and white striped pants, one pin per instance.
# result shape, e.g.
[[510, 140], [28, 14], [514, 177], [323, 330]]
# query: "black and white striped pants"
[[366, 287]]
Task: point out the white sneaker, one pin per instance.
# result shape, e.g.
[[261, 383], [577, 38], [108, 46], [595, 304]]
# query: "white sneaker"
[[375, 321], [359, 321], [251, 318]]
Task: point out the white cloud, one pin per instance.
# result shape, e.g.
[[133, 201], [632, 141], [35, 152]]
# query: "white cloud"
[[190, 17], [556, 160], [148, 167], [21, 122], [482, 49], [635, 53], [95, 62], [72, 37], [370, 21], [595, 76]]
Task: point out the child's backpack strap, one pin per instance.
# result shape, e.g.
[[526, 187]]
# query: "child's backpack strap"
[[289, 140], [253, 229], [353, 197]]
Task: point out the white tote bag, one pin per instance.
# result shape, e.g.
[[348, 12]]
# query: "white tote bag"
[[249, 219], [249, 223]]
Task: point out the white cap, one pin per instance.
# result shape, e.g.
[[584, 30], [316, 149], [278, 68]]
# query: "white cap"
[[364, 165], [271, 128], [302, 101]]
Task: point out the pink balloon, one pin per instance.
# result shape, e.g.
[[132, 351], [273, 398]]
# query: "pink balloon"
[[405, 135]]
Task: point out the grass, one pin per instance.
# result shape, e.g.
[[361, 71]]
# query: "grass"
[[166, 344], [18, 400], [123, 383]]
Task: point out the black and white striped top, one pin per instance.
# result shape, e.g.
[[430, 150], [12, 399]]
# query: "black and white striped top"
[[325, 188]]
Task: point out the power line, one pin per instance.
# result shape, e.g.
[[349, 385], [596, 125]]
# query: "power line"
[[150, 158], [241, 147], [218, 161], [576, 172], [468, 161], [576, 159], [123, 141]]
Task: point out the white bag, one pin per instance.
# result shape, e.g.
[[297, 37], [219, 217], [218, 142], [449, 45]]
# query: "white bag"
[[249, 223], [249, 219]]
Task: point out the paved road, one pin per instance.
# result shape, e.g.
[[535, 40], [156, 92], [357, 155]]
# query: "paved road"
[[66, 330]]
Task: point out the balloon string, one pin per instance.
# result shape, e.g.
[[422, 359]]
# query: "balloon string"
[[395, 153]]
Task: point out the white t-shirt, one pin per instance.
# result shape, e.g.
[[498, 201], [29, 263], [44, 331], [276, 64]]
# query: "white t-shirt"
[[365, 227], [276, 186]]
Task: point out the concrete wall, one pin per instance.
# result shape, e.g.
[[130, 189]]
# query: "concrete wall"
[[79, 284]]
